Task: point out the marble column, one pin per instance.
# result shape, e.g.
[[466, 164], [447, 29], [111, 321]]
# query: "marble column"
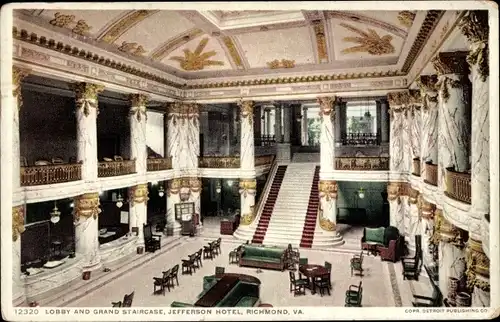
[[396, 210], [247, 153], [429, 141], [247, 190], [257, 115], [338, 122], [267, 120], [427, 210], [138, 198], [205, 130], [86, 128], [327, 135], [173, 198], [379, 120], [415, 117], [85, 213], [454, 108], [384, 121], [328, 205], [397, 133], [478, 273], [451, 253], [195, 196], [475, 27], [414, 219], [18, 75], [277, 124], [18, 295], [137, 120], [286, 124], [305, 134]]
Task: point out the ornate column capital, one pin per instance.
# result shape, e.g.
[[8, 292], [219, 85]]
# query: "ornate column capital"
[[17, 222], [448, 233], [328, 189], [138, 106], [478, 266], [429, 90], [451, 63], [398, 101], [246, 109], [195, 184], [326, 105], [394, 191], [86, 96], [174, 186], [138, 194], [474, 25], [18, 74], [86, 205], [427, 209], [413, 195], [247, 187]]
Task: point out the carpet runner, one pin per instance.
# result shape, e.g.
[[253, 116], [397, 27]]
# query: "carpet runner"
[[265, 217], [312, 212]]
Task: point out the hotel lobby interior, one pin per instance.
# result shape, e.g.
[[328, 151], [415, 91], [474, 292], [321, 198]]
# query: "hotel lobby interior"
[[265, 158]]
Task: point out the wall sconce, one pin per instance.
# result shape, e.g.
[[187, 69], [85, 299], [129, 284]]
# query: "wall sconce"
[[299, 117], [161, 191], [154, 183], [361, 193], [55, 214], [230, 183], [119, 201], [218, 187]]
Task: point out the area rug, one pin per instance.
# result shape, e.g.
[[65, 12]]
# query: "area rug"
[[394, 284]]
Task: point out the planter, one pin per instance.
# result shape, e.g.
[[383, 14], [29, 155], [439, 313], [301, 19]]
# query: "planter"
[[453, 284], [140, 250], [463, 299], [86, 275]]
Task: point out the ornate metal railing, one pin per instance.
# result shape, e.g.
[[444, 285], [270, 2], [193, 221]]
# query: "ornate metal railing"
[[265, 140], [263, 160], [360, 139], [115, 168], [158, 164], [361, 163], [458, 185], [431, 174], [416, 167], [49, 174], [219, 162]]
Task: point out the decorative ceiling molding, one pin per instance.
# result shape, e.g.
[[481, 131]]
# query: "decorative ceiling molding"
[[236, 58], [320, 39], [172, 44], [406, 18], [430, 22], [356, 17], [111, 34], [197, 59], [369, 42], [132, 48]]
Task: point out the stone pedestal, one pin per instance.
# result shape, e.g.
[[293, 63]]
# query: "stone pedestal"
[[86, 212], [248, 188], [138, 118], [327, 136], [138, 197]]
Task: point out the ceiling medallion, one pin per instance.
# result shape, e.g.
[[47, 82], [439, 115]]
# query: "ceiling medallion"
[[406, 18], [132, 48], [370, 42], [284, 63], [197, 60]]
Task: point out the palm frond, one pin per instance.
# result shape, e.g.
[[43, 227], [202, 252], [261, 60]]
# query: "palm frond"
[[354, 29], [207, 55], [215, 62], [354, 39], [201, 46]]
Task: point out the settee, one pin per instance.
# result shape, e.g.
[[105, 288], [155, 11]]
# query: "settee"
[[263, 257], [386, 242]]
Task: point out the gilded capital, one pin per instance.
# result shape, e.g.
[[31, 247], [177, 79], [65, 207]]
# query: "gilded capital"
[[138, 194], [451, 63], [393, 191], [86, 96], [413, 196], [246, 108], [86, 206], [428, 85], [248, 187], [478, 265], [17, 222], [18, 74], [327, 189], [326, 105], [427, 209], [174, 186], [448, 232], [138, 106], [195, 184], [475, 27]]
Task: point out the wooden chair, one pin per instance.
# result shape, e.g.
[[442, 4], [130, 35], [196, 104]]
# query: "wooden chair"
[[198, 257], [354, 295], [72, 160], [413, 265], [208, 251], [173, 275], [323, 283], [234, 255], [217, 247], [357, 264], [219, 270], [58, 161], [161, 282], [188, 266], [118, 158], [127, 300], [292, 258], [152, 241], [328, 266], [297, 286], [193, 258], [42, 162], [116, 304]]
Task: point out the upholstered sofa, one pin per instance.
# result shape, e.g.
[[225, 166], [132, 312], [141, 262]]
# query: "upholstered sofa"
[[263, 257], [180, 304], [386, 242], [242, 295]]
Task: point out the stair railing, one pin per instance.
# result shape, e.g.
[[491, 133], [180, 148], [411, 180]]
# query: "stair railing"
[[267, 187]]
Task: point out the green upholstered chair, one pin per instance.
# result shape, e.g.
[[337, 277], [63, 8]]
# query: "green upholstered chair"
[[357, 264], [303, 261]]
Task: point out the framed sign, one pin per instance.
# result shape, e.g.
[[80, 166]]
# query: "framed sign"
[[183, 209]]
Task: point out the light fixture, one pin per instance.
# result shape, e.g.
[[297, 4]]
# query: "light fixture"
[[361, 193], [55, 214], [229, 183], [154, 183], [119, 201], [218, 187], [72, 205], [161, 191], [299, 117]]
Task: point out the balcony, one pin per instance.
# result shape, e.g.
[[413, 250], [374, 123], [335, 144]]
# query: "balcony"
[[360, 139], [50, 174], [458, 185], [232, 162], [115, 168], [265, 140], [431, 174], [416, 167], [159, 164], [264, 160], [362, 163]]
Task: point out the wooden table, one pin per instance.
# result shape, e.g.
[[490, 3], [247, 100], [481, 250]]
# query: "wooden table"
[[312, 271]]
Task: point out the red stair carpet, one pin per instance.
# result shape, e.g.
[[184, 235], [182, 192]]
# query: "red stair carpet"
[[312, 212], [260, 232]]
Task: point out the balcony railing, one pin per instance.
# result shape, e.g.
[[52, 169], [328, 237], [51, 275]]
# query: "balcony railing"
[[458, 185], [416, 167], [361, 163], [159, 164], [49, 174], [360, 139], [431, 174], [219, 162], [263, 160], [115, 168], [265, 140]]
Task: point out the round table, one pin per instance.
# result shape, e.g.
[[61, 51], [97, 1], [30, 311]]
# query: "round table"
[[312, 271]]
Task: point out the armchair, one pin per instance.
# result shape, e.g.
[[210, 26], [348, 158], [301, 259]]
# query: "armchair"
[[162, 282], [413, 265], [127, 300], [354, 295], [235, 254], [151, 241], [297, 286], [357, 264]]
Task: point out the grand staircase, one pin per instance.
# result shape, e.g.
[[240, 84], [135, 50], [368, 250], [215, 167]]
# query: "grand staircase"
[[267, 211], [312, 213]]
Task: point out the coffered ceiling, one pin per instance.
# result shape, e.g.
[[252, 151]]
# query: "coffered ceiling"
[[200, 45]]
